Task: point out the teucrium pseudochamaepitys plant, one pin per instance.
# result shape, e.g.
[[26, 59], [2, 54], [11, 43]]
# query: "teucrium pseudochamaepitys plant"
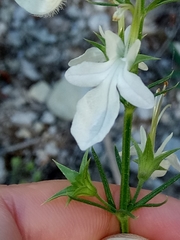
[[110, 68]]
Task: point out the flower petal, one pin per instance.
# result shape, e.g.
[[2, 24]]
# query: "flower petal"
[[96, 113], [160, 173], [101, 31], [132, 53], [118, 14], [143, 138], [88, 74], [174, 161], [134, 91], [143, 66], [161, 148], [114, 45], [126, 35], [41, 7], [91, 55]]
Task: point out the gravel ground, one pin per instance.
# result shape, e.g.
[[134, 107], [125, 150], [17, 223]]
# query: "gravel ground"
[[34, 50]]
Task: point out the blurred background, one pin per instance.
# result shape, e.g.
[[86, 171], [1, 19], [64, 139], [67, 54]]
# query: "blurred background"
[[37, 104]]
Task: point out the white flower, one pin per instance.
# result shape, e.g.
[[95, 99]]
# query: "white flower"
[[41, 7], [171, 160], [118, 13], [98, 109]]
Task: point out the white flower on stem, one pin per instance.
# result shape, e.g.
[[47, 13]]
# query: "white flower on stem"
[[98, 109], [42, 8], [118, 13], [171, 160], [121, 9]]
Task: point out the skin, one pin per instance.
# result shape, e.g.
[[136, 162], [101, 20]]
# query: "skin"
[[22, 215]]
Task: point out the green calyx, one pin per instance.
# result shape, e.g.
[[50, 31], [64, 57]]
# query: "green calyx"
[[147, 161], [81, 184]]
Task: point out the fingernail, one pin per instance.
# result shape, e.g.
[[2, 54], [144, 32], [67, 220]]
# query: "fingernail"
[[125, 237]]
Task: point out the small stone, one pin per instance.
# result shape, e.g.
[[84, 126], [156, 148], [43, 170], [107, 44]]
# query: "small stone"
[[63, 99], [38, 127], [144, 114], [29, 70], [23, 133], [51, 148], [3, 29], [52, 130], [23, 118], [47, 118], [97, 19], [42, 157], [39, 91]]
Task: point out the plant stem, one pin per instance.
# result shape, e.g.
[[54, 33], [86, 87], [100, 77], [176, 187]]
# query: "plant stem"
[[125, 189], [138, 189]]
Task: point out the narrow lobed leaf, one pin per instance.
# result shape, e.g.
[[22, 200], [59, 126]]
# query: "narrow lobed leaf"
[[118, 159], [103, 4], [107, 190], [160, 81], [67, 172], [155, 192]]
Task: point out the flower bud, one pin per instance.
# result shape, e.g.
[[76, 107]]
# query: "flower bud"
[[41, 8]]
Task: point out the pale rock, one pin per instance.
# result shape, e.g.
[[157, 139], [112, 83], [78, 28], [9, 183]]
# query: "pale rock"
[[29, 70], [14, 38], [39, 91], [47, 118], [73, 11], [63, 99], [44, 36], [52, 130], [38, 127], [51, 148], [3, 29], [97, 19], [42, 157], [23, 133], [23, 118], [144, 114]]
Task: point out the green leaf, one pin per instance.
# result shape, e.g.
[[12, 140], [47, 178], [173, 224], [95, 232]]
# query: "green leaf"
[[158, 3], [142, 58], [91, 203], [118, 159], [155, 204], [100, 38], [126, 213], [98, 45], [165, 79], [167, 90], [103, 4], [108, 193], [148, 151], [71, 175], [145, 161], [68, 191], [155, 192], [138, 149], [84, 162], [164, 155]]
